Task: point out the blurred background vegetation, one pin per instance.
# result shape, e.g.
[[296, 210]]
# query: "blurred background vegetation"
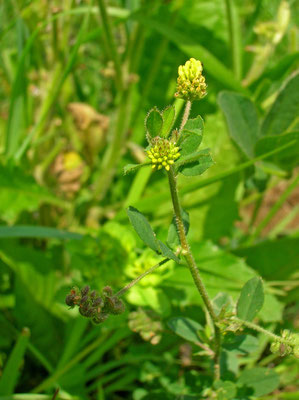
[[77, 80]]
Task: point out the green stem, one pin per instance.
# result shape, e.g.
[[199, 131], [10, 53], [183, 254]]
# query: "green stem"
[[132, 283], [256, 209], [186, 251], [111, 44], [258, 328], [234, 37], [274, 209], [135, 48], [269, 359]]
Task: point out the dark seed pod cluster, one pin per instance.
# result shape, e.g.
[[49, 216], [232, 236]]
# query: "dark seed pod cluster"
[[92, 305]]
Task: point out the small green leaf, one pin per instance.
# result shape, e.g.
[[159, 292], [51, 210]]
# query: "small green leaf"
[[133, 167], [166, 252], [186, 328], [195, 163], [191, 136], [285, 109], [242, 120], [194, 125], [241, 344], [168, 115], [221, 302], [173, 237], [225, 390], [154, 122], [261, 380], [251, 299], [143, 228]]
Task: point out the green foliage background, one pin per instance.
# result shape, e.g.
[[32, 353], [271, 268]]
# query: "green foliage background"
[[63, 195]]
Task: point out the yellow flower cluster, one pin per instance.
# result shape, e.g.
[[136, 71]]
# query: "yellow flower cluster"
[[163, 153], [191, 83]]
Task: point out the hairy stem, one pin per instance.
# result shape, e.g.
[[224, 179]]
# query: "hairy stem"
[[186, 251], [132, 283], [258, 328], [185, 115]]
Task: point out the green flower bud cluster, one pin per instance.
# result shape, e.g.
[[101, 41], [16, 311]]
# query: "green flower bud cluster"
[[163, 153], [290, 347], [191, 83], [92, 305]]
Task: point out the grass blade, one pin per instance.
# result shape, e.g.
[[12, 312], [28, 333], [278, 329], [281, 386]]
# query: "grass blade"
[[11, 371], [27, 231]]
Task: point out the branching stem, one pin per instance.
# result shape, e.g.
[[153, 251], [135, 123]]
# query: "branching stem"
[[258, 328], [132, 283], [186, 251]]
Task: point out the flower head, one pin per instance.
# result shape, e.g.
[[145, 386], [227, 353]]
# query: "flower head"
[[191, 83], [94, 306], [163, 153]]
